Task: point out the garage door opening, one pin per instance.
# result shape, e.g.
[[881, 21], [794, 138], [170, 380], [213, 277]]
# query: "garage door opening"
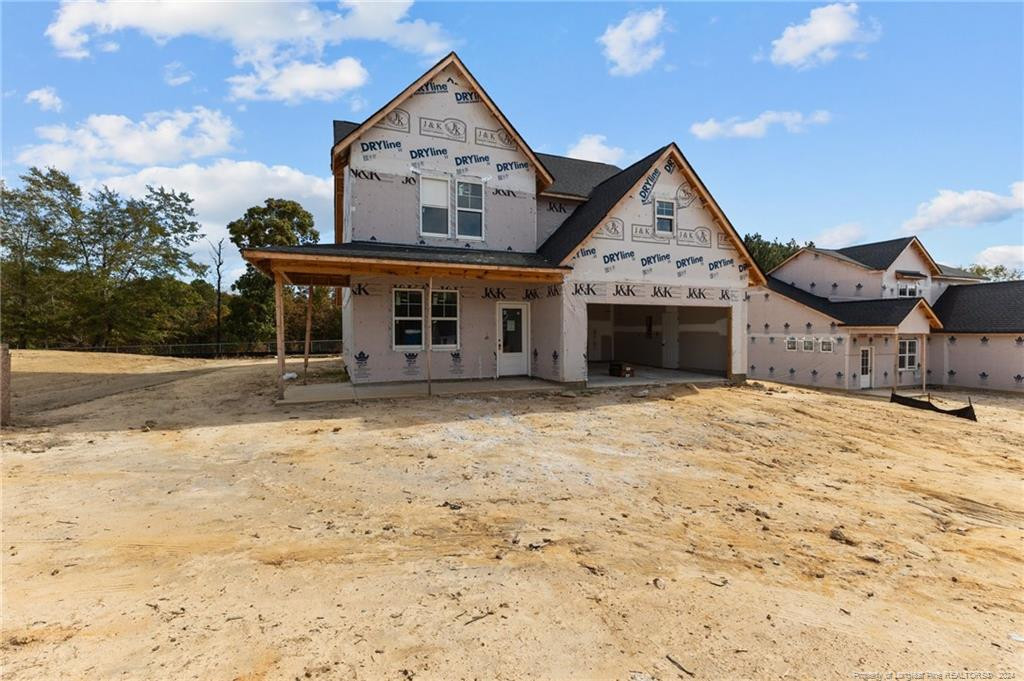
[[660, 343]]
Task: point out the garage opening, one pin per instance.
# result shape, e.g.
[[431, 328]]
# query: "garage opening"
[[660, 343]]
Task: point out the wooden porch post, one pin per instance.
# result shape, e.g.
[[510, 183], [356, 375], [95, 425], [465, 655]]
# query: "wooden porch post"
[[896, 362], [924, 363], [309, 331], [279, 324], [427, 335]]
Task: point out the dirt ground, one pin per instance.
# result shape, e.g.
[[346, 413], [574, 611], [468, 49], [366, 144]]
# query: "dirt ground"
[[163, 520]]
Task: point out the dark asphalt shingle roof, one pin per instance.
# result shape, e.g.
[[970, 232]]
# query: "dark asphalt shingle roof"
[[574, 176], [588, 215], [994, 307], [950, 271], [343, 129], [881, 312], [878, 255], [416, 253], [911, 273]]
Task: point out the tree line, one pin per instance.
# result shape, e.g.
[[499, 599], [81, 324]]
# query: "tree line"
[[100, 269]]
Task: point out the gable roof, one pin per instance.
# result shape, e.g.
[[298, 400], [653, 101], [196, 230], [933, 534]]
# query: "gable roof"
[[573, 177], [994, 307], [878, 255], [451, 59], [879, 312], [576, 177], [588, 216], [956, 272]]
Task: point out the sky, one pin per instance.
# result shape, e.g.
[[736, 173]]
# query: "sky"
[[838, 123]]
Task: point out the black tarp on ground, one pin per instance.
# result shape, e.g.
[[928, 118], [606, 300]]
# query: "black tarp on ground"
[[963, 412]]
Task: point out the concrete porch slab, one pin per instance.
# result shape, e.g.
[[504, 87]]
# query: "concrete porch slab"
[[347, 392]]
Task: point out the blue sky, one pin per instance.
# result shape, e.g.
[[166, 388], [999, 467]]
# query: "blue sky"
[[834, 122]]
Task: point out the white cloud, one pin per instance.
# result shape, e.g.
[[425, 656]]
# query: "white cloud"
[[792, 121], [295, 81], [845, 234], [1009, 256], [966, 209], [110, 143], [176, 74], [109, 46], [817, 40], [630, 44], [46, 98], [224, 189], [594, 148], [281, 43]]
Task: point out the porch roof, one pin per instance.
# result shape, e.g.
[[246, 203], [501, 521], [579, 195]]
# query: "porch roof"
[[334, 264]]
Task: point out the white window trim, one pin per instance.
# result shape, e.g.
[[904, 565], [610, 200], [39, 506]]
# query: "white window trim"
[[395, 318], [482, 211], [831, 345], [906, 355], [448, 206], [903, 285], [656, 217], [457, 318], [796, 345], [803, 342]]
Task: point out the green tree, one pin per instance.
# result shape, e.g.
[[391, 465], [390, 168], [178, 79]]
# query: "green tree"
[[278, 222], [770, 254], [997, 272], [38, 220], [121, 244]]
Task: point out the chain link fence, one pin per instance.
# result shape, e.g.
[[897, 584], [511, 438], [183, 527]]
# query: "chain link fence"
[[208, 350]]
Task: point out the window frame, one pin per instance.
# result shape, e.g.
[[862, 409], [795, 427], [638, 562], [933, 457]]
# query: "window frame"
[[456, 318], [831, 345], [904, 354], [903, 288], [483, 204], [793, 340], [663, 217], [447, 207], [804, 342], [395, 318]]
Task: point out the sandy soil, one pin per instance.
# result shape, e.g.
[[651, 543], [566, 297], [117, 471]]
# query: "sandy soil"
[[743, 533]]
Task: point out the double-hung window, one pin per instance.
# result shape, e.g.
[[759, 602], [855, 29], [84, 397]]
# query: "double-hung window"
[[470, 207], [908, 354], [826, 345], [444, 320], [907, 289], [407, 318], [808, 345], [433, 206], [791, 344], [664, 217]]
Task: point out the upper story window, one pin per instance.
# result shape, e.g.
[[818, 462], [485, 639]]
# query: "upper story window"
[[470, 207], [907, 289], [433, 206], [665, 217]]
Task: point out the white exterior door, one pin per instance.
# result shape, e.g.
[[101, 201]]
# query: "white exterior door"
[[865, 367], [513, 339]]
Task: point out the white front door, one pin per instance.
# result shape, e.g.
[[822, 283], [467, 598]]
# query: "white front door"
[[513, 339], [865, 367]]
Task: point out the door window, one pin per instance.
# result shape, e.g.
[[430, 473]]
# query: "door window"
[[511, 329]]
